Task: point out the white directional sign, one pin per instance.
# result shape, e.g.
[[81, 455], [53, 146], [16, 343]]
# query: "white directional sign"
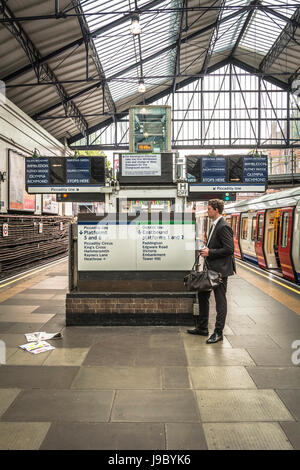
[[167, 245]]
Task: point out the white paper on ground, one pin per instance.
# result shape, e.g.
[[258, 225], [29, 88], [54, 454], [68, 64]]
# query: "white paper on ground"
[[42, 335], [37, 347]]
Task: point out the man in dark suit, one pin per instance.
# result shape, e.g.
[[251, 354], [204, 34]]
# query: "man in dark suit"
[[219, 257]]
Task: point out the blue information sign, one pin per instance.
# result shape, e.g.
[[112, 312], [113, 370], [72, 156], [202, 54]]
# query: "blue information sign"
[[37, 171], [78, 171], [213, 170], [255, 169]]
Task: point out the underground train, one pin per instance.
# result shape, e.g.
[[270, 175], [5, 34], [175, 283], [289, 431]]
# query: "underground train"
[[267, 232]]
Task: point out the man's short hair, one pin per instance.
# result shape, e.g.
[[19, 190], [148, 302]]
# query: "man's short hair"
[[217, 204]]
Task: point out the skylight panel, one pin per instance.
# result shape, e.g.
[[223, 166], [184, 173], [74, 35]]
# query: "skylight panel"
[[118, 49]]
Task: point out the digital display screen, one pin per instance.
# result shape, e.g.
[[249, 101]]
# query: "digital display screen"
[[60, 174]]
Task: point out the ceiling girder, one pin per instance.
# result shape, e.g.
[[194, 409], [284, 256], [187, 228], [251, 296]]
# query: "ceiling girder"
[[32, 53], [147, 59], [280, 44], [150, 100]]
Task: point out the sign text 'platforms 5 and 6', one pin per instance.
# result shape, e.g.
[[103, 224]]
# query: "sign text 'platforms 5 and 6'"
[[137, 244]]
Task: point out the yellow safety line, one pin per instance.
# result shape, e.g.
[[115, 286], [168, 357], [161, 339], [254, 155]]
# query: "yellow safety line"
[[26, 275], [269, 278]]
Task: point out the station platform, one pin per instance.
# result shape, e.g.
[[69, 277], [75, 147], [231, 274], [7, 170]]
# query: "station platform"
[[151, 387]]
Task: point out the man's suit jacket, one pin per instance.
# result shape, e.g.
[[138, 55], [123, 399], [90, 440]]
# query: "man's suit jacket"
[[221, 249]]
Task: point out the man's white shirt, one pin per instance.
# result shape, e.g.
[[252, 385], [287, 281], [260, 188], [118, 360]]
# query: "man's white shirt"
[[213, 228]]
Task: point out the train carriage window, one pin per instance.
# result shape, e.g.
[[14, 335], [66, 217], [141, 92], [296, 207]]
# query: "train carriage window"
[[285, 229], [234, 225], [253, 229], [244, 234], [260, 227]]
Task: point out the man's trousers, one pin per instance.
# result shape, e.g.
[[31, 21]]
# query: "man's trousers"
[[221, 307]]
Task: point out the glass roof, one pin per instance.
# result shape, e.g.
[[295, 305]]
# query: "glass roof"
[[118, 49], [262, 30]]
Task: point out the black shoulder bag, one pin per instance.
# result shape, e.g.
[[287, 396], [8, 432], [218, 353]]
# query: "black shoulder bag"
[[205, 280]]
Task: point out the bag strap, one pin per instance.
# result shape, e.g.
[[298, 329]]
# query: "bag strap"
[[196, 263]]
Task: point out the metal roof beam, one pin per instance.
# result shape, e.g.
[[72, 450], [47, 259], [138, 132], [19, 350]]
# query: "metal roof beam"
[[149, 100], [32, 53], [291, 21], [80, 41], [89, 43], [245, 25], [147, 59], [177, 58], [255, 71], [286, 35]]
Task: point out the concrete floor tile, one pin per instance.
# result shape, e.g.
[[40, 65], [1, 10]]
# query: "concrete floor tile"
[[29, 377], [231, 377], [22, 436], [26, 318], [7, 310], [7, 396], [245, 436], [185, 436], [198, 342], [60, 405], [241, 405], [65, 356], [276, 377], [160, 357], [291, 399], [118, 378], [105, 436], [166, 406], [56, 282], [172, 340], [25, 328], [271, 357], [25, 358], [292, 431], [216, 356], [175, 377], [117, 355], [5, 326], [252, 341]]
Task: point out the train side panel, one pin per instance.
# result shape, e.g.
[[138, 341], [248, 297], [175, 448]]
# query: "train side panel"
[[247, 236], [285, 243], [296, 242]]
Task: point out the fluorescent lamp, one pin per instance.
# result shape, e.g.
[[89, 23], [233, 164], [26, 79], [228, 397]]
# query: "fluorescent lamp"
[[142, 87], [135, 27]]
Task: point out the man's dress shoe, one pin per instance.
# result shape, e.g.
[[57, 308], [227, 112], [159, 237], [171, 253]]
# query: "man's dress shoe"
[[197, 331], [215, 337]]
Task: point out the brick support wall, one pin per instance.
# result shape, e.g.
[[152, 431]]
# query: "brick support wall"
[[128, 310], [129, 305]]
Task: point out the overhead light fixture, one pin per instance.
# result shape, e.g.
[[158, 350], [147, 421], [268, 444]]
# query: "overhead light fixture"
[[135, 27], [36, 154], [142, 86]]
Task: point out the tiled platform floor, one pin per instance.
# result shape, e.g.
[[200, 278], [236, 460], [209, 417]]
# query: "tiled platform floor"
[[150, 387]]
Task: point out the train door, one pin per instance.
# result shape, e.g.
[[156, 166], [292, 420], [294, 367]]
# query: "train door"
[[270, 239], [236, 234], [259, 242], [285, 243]]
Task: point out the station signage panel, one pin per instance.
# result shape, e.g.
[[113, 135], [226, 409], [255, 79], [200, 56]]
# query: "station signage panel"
[[145, 168], [121, 243], [233, 173], [64, 175]]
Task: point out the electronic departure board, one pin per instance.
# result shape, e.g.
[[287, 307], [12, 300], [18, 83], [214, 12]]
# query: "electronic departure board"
[[143, 168], [63, 174], [227, 173]]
